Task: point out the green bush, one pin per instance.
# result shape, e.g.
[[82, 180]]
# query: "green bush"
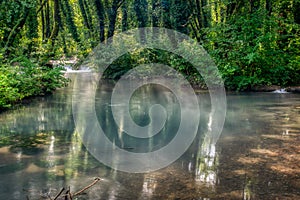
[[8, 94], [255, 49], [21, 78]]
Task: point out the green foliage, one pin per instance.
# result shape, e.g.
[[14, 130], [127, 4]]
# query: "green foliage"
[[32, 24], [8, 94], [140, 7], [250, 51], [148, 56], [253, 42], [181, 14], [20, 78], [69, 15]]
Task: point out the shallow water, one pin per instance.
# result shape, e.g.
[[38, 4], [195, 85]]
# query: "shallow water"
[[256, 157]]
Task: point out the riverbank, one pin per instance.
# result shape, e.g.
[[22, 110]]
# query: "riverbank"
[[277, 89], [21, 78], [271, 89]]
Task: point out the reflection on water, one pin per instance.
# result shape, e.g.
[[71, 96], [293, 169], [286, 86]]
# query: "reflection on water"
[[140, 105], [207, 157], [40, 152]]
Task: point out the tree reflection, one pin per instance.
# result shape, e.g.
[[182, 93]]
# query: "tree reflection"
[[207, 157]]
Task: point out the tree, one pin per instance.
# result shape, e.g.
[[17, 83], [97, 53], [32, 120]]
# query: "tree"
[[32, 28], [112, 15], [124, 16], [243, 36], [14, 21], [141, 10], [181, 14], [56, 16], [84, 14], [100, 14], [69, 16]]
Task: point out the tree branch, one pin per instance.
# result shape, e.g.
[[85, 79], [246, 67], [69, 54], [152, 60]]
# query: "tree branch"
[[87, 187], [61, 191], [120, 3], [41, 7]]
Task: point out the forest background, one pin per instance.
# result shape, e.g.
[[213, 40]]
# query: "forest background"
[[253, 42]]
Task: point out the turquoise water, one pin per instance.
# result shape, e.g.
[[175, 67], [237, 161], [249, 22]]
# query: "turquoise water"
[[40, 151]]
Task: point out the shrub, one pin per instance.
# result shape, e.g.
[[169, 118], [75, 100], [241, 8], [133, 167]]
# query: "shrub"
[[21, 78]]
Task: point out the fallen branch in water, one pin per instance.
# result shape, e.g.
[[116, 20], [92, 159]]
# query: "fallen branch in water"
[[68, 195], [87, 187], [61, 191]]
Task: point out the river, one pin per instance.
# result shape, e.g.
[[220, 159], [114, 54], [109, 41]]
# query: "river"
[[256, 157]]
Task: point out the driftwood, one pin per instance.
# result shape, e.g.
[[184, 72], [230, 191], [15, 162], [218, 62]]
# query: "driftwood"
[[69, 196], [61, 195], [61, 191], [87, 187]]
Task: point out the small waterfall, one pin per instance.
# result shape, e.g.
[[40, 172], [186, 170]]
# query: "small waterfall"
[[280, 91], [69, 69]]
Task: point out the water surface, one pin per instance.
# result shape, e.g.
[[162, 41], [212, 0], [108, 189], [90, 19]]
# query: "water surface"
[[256, 157]]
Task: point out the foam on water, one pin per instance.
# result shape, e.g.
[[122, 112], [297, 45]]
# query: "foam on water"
[[280, 91], [68, 69]]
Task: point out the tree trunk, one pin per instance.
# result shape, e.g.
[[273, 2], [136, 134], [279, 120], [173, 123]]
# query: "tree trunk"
[[199, 14], [88, 14], [155, 13], [47, 20], [140, 8], [16, 30], [113, 17], [100, 14], [155, 16], [206, 14], [124, 17], [32, 25], [84, 15], [56, 17], [42, 19], [69, 15], [166, 6]]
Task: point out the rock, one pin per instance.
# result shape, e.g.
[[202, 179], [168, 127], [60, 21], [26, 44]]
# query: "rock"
[[295, 89]]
